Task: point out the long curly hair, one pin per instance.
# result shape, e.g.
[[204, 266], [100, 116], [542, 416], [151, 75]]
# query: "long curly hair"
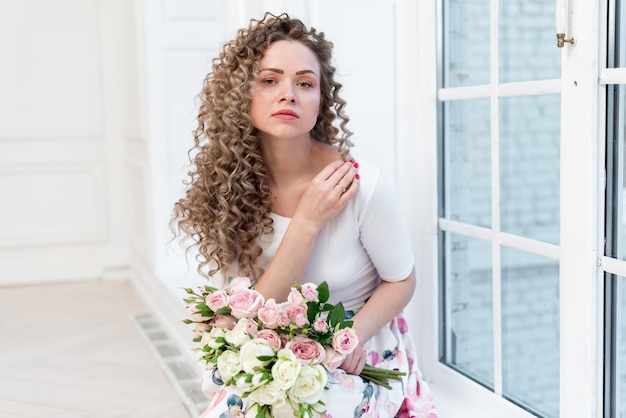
[[227, 204]]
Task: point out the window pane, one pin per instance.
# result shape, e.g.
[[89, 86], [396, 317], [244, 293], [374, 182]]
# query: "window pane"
[[529, 165], [466, 42], [616, 228], [467, 161], [527, 41], [468, 304], [620, 347], [530, 331]]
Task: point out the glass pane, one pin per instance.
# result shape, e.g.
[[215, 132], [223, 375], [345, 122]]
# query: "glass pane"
[[468, 305], [467, 161], [527, 41], [530, 331], [529, 165], [620, 347], [466, 42]]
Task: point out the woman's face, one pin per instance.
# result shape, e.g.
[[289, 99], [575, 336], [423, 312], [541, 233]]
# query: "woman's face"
[[286, 98]]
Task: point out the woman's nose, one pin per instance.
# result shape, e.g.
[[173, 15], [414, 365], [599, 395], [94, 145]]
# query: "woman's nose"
[[287, 95]]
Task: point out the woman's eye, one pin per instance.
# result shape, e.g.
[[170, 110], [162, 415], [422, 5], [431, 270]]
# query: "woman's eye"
[[269, 81], [306, 84]]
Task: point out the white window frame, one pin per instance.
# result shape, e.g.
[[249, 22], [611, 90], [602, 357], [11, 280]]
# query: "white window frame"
[[581, 218]]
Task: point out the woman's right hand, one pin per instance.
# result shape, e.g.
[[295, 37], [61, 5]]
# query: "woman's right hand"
[[328, 193]]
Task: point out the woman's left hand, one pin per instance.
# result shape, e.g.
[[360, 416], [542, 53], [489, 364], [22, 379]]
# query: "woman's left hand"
[[355, 361]]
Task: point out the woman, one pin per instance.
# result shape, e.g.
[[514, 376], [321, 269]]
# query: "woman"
[[274, 195]]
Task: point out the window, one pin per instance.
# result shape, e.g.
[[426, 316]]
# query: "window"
[[499, 160]]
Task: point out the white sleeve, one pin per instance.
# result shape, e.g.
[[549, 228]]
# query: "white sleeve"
[[384, 235]]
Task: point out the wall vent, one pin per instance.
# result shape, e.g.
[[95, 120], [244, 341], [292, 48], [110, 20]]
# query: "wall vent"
[[179, 369]]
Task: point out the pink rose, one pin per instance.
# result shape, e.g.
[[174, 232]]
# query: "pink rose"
[[345, 340], [252, 328], [295, 297], [200, 328], [283, 320], [306, 350], [320, 325], [245, 303], [238, 283], [271, 337], [300, 320], [295, 310], [197, 317], [223, 322], [333, 359], [309, 291], [217, 300], [268, 314]]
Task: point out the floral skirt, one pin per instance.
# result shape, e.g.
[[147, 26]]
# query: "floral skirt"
[[349, 395]]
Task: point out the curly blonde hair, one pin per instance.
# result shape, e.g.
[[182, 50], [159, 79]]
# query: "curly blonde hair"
[[227, 204]]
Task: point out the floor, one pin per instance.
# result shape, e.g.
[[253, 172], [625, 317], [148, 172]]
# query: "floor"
[[74, 350]]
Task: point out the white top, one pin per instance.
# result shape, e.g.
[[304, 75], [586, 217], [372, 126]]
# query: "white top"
[[366, 242]]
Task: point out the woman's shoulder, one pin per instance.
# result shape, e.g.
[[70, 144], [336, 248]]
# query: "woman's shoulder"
[[369, 176]]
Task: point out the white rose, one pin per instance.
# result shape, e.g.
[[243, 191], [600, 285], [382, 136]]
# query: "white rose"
[[250, 353], [268, 394], [248, 382], [228, 364], [213, 338], [286, 369], [283, 411], [238, 336], [309, 386]]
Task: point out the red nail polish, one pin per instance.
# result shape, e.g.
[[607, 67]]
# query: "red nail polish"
[[356, 165], [357, 176], [352, 160]]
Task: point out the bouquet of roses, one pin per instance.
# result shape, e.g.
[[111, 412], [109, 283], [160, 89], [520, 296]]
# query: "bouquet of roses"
[[275, 353]]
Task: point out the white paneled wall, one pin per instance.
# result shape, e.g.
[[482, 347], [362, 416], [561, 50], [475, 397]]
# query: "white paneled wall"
[[62, 204]]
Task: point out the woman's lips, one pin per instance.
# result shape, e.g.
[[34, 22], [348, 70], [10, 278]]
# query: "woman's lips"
[[285, 115]]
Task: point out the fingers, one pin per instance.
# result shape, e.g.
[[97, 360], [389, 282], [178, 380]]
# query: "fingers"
[[341, 177], [354, 362], [328, 193]]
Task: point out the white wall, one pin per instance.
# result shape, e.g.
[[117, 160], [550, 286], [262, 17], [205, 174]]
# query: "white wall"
[[62, 210]]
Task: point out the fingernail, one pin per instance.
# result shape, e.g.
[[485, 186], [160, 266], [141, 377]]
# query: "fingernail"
[[356, 165], [357, 176], [352, 160]]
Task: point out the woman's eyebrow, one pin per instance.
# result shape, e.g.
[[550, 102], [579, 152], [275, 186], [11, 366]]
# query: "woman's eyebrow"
[[279, 71], [305, 72], [275, 70]]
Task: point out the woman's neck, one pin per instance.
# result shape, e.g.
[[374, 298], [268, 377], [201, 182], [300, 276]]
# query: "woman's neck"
[[289, 161]]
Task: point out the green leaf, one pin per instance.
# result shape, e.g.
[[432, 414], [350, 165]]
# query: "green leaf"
[[337, 315], [223, 311], [327, 307], [312, 310], [323, 292], [265, 358]]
